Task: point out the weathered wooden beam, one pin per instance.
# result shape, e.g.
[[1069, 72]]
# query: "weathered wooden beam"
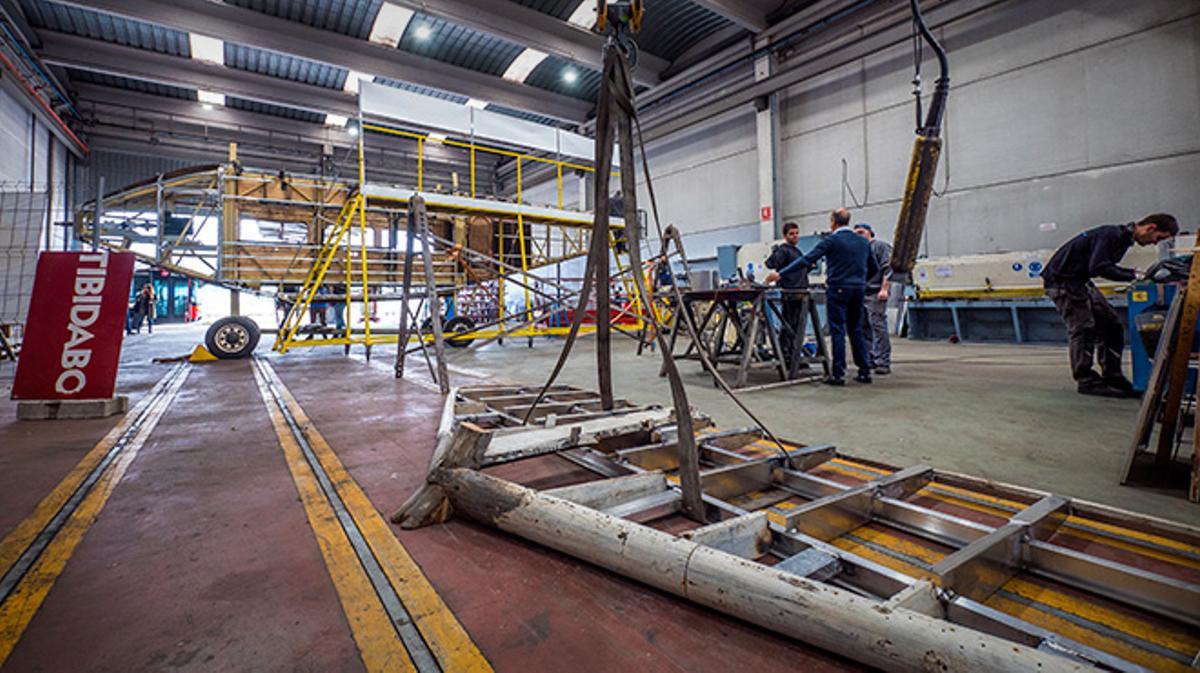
[[819, 614], [528, 442], [648, 507], [606, 493]]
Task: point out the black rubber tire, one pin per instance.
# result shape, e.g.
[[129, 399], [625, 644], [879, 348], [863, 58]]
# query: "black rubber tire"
[[457, 325], [232, 337]]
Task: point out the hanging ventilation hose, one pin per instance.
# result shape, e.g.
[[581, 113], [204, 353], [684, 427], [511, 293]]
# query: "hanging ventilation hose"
[[923, 167]]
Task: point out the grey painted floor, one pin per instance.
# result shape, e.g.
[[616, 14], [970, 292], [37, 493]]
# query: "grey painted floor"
[[1008, 413]]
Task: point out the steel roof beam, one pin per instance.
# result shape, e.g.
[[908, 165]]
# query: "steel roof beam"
[[117, 106], [248, 27], [531, 28], [751, 15], [82, 53]]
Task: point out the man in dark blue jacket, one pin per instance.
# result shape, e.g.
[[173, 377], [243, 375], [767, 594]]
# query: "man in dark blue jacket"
[[848, 265], [1090, 321]]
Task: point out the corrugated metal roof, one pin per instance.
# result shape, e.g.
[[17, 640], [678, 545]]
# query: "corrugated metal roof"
[[274, 110], [128, 84], [557, 8], [349, 17], [106, 27], [458, 45], [529, 116], [670, 27], [283, 66], [416, 88], [549, 75]]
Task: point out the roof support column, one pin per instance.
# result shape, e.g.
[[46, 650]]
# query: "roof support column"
[[766, 129]]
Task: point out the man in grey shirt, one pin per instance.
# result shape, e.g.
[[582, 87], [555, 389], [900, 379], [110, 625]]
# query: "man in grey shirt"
[[876, 301]]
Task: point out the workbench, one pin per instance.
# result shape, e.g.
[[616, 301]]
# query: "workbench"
[[761, 337]]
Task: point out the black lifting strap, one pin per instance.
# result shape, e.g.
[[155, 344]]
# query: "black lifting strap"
[[672, 234], [617, 92]]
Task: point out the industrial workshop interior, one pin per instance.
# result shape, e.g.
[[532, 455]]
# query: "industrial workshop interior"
[[599, 335]]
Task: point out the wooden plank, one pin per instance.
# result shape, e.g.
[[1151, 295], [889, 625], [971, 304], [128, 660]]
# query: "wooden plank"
[[1152, 398], [1180, 355], [606, 493], [526, 443]]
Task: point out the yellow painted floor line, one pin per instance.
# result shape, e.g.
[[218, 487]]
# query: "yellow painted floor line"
[[19, 539], [27, 597], [378, 643], [441, 630]]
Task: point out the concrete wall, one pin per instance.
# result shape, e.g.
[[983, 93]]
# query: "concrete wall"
[[706, 183], [26, 146], [1062, 116]]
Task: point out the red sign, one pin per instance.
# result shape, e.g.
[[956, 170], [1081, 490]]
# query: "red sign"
[[766, 213], [75, 326]]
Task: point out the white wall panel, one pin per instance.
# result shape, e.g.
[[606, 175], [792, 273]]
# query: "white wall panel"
[[14, 140]]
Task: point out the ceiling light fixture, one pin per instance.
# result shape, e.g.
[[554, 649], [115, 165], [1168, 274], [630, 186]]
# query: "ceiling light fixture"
[[423, 32], [476, 103], [332, 119], [569, 76]]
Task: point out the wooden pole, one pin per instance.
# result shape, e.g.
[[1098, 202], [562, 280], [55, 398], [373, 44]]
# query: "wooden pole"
[[888, 638], [1177, 374]]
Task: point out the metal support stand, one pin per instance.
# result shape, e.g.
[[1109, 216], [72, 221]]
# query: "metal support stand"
[[418, 225]]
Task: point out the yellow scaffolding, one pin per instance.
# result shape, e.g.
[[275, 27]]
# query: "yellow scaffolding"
[[363, 199]]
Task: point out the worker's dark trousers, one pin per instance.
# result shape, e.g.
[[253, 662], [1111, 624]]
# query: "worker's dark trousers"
[[793, 311], [1091, 323], [844, 312]]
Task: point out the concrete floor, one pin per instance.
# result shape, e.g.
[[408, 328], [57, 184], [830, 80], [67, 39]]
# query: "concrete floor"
[[1003, 412], [203, 558]]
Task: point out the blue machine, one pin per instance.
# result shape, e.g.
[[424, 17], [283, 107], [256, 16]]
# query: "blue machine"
[[1148, 305]]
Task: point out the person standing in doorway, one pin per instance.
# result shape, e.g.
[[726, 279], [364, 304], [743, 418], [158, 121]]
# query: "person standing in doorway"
[[848, 266], [1090, 320], [144, 308], [875, 302]]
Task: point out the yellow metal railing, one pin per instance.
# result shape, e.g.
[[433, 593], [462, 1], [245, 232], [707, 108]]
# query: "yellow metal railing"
[[422, 139]]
